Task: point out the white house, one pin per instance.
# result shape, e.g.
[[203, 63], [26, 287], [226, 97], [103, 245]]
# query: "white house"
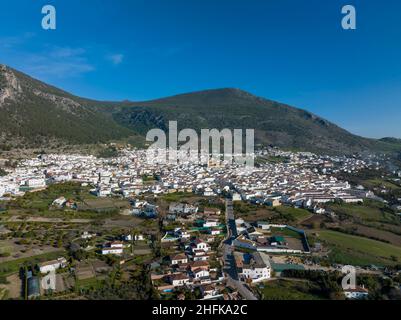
[[103, 192], [200, 273], [116, 248], [237, 197], [182, 234], [179, 259], [179, 279], [116, 251], [36, 183], [356, 294], [255, 266], [200, 256], [59, 202], [263, 225], [211, 223], [52, 265], [127, 237], [200, 245], [139, 237], [208, 192], [86, 235], [319, 210], [242, 242]]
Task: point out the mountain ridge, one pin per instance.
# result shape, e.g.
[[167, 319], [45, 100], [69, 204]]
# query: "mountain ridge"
[[37, 112]]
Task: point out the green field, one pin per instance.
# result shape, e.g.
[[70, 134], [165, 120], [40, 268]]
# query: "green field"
[[88, 283], [3, 294], [43, 199], [89, 206], [294, 214], [288, 290], [349, 249], [382, 183], [10, 267], [369, 211], [280, 214], [177, 196]]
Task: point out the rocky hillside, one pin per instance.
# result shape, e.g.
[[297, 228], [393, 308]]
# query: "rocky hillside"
[[33, 112]]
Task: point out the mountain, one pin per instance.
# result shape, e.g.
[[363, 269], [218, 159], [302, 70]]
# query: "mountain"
[[35, 113], [274, 123]]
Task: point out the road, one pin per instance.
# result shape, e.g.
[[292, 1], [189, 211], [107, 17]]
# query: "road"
[[229, 261]]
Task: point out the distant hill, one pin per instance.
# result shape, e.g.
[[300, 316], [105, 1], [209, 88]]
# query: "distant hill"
[[35, 112], [274, 123]]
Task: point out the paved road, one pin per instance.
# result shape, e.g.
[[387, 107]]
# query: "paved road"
[[229, 261]]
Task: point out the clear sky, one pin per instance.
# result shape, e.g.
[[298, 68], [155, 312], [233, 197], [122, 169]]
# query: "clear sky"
[[292, 51]]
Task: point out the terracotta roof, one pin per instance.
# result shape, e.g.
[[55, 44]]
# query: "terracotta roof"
[[179, 276], [200, 263], [180, 256]]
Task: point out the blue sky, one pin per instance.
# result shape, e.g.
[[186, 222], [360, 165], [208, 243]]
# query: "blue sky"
[[293, 51]]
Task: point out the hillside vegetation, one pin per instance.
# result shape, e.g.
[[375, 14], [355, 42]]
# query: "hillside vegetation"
[[34, 113]]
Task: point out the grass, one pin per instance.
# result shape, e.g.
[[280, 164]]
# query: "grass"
[[369, 211], [3, 294], [88, 283], [374, 232], [288, 290], [177, 196], [349, 249], [42, 200], [279, 215], [382, 183], [296, 214], [10, 267], [39, 203], [45, 198]]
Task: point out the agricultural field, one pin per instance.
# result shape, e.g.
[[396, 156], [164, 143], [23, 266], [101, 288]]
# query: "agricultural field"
[[369, 211], [10, 267], [103, 205], [11, 286], [280, 214], [285, 232], [41, 200], [382, 183], [378, 181], [178, 196], [288, 290], [3, 293], [11, 250], [294, 239], [372, 233], [293, 214], [39, 204], [355, 250]]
